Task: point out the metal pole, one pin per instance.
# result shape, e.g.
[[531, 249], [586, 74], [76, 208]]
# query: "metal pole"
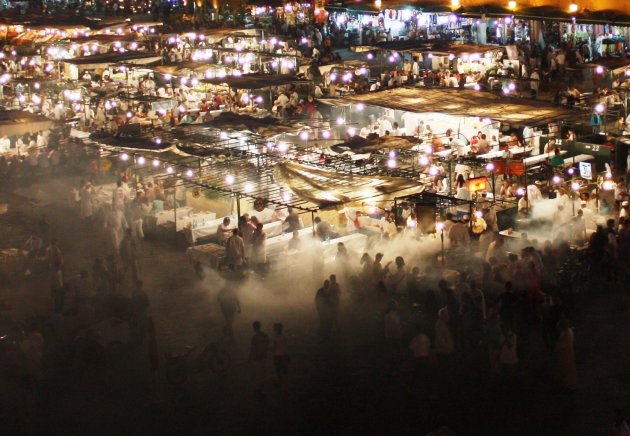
[[238, 205], [175, 205]]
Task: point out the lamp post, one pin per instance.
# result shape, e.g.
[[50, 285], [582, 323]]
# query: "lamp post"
[[439, 226], [575, 187], [600, 108], [490, 167]]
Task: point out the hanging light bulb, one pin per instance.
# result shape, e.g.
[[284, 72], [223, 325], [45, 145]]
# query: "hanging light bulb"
[[141, 160], [229, 179], [156, 163]]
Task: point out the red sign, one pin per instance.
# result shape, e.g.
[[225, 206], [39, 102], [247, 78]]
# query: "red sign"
[[517, 168], [499, 167], [477, 184]]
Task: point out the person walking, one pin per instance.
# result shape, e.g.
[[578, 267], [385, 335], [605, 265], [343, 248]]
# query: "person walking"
[[230, 306], [234, 251], [280, 354], [115, 223], [325, 309], [86, 202], [258, 351], [129, 257], [259, 248], [55, 259]]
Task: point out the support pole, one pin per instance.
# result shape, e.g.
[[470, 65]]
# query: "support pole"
[[175, 205]]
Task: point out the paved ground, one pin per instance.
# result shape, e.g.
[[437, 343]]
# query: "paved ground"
[[348, 385]]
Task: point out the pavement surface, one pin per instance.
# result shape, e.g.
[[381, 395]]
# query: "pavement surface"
[[350, 384]]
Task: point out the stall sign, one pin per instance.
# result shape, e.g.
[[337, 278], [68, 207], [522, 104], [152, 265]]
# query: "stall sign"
[[477, 184], [517, 168], [586, 170], [500, 167]]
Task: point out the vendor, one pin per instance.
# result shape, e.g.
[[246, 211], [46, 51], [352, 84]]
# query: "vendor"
[[524, 206], [323, 229], [224, 231], [556, 160]]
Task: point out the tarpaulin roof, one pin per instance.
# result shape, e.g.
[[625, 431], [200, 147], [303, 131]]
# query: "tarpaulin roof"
[[466, 103], [253, 81], [112, 58], [617, 65], [20, 122]]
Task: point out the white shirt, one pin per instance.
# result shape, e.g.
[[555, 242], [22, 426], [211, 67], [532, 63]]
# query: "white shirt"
[[384, 126], [282, 100], [410, 122]]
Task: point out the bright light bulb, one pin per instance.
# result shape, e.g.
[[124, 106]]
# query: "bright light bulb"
[[124, 157], [141, 160], [189, 173], [170, 170], [423, 160], [340, 121], [156, 163], [391, 163], [283, 147], [489, 166], [229, 179], [326, 134], [575, 186], [223, 135], [248, 187], [360, 107], [556, 179], [304, 135]]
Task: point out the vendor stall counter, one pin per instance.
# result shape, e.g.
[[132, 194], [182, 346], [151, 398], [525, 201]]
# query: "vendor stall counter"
[[168, 216], [208, 254], [209, 229], [278, 244], [353, 242]]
